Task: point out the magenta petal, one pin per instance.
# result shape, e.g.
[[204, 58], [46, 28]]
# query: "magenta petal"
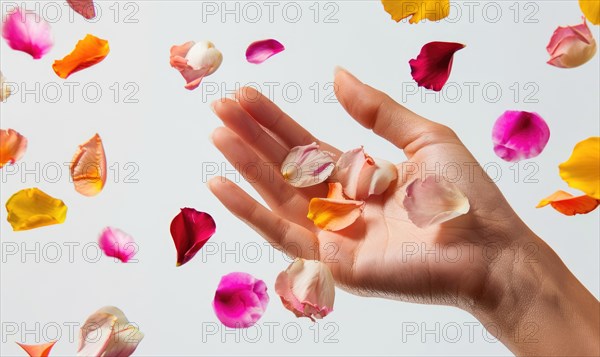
[[240, 300], [190, 230], [26, 31], [432, 66], [260, 51], [519, 135], [117, 244]]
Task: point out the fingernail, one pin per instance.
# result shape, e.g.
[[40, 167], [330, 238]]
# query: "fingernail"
[[338, 69], [212, 106]]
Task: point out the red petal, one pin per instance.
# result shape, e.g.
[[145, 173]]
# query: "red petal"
[[84, 8], [190, 230], [432, 66]]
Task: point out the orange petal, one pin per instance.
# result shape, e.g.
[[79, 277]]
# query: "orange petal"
[[568, 204], [88, 52], [42, 350], [335, 212], [32, 208], [88, 167], [12, 146]]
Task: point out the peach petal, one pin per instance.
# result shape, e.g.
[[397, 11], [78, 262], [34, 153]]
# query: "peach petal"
[[4, 88], [41, 350], [88, 167], [32, 208], [89, 51], [12, 146], [108, 332], [571, 46], [334, 213], [568, 204]]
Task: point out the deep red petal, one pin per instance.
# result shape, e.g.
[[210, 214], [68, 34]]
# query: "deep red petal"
[[432, 66], [190, 230]]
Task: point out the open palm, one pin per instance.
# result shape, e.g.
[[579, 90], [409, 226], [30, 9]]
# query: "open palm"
[[383, 253]]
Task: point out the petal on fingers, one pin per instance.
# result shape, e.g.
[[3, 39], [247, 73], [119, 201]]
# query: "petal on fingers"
[[334, 213], [306, 166]]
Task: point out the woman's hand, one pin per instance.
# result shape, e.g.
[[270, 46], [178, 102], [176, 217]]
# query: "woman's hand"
[[468, 262]]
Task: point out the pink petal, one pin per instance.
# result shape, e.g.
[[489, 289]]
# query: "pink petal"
[[306, 166], [432, 66], [26, 31], [519, 135], [95, 334], [429, 202], [84, 8], [240, 300], [260, 51], [195, 61], [117, 244], [571, 46], [190, 230]]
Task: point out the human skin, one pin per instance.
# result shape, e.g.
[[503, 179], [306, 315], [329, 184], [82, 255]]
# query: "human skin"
[[506, 276]]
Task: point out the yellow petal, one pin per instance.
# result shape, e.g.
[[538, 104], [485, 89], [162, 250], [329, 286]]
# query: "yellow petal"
[[591, 10], [31, 208], [582, 170], [88, 167], [334, 213], [433, 10]]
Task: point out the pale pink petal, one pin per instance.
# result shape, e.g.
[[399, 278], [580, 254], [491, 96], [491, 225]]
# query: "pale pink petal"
[[519, 135], [363, 176], [307, 166], [195, 61], [26, 31], [260, 51], [434, 201], [108, 333], [117, 244], [240, 300], [571, 46]]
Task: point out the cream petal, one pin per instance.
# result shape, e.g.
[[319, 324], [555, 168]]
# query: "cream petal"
[[306, 166]]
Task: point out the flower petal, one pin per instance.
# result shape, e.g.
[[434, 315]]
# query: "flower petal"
[[362, 176], [568, 204], [260, 51], [84, 8], [117, 244], [4, 88], [107, 332], [430, 202], [519, 135], [240, 300], [432, 66], [88, 167], [195, 61], [307, 166], [571, 46], [42, 350], [124, 341], [307, 288], [582, 170], [190, 230], [12, 146], [31, 208], [591, 10], [28, 32], [418, 10], [88, 52], [334, 214]]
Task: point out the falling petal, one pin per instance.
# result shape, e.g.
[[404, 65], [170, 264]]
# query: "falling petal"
[[306, 288], [582, 170], [568, 204], [117, 244], [108, 332], [4, 88], [260, 51], [432, 66], [240, 300], [433, 202], [433, 10], [334, 212], [591, 10], [42, 350], [88, 167], [571, 46], [519, 135], [88, 52], [195, 61], [190, 230], [362, 176], [28, 32], [31, 208], [84, 8], [12, 147], [307, 166]]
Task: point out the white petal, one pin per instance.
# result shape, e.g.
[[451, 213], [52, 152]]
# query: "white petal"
[[306, 166]]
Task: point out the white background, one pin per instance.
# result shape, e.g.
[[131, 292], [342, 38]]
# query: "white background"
[[164, 136]]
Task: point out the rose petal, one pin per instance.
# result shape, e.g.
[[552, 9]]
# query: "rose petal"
[[363, 176], [195, 61], [307, 166], [432, 66], [42, 350], [519, 135], [4, 88], [433, 10], [571, 46], [582, 170], [307, 288], [107, 332], [190, 230], [84, 8], [88, 167], [591, 10], [88, 52], [260, 51], [31, 208], [28, 32], [117, 244], [429, 202], [568, 204], [12, 146], [124, 341], [334, 214], [240, 300]]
